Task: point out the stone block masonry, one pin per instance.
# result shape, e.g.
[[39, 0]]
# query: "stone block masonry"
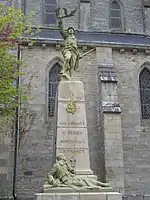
[[6, 166], [36, 155], [80, 196], [135, 135], [71, 126], [38, 148], [136, 132], [112, 130], [98, 13]]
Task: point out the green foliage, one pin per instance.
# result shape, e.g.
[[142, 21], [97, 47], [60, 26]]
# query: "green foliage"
[[13, 26], [8, 74]]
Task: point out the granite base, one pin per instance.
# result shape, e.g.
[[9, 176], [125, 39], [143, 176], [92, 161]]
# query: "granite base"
[[79, 196]]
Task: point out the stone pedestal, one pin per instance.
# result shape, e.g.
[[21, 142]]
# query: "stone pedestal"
[[71, 127], [79, 196]]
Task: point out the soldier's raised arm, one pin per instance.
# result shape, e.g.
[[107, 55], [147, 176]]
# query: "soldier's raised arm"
[[60, 20]]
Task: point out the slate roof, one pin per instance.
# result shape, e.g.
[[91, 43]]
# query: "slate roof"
[[98, 38]]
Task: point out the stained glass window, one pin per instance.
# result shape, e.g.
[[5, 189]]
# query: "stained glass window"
[[115, 16], [144, 80], [49, 7], [53, 83]]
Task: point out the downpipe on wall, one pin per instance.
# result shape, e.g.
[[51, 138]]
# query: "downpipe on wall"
[[16, 127]]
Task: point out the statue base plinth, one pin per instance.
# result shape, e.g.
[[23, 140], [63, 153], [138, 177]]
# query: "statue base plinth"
[[86, 173], [67, 194], [48, 190]]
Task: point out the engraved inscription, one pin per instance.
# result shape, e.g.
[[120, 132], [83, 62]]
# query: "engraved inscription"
[[72, 141], [63, 123], [72, 132], [71, 151], [72, 137], [73, 123]]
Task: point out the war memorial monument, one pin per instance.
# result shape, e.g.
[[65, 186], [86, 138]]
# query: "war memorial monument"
[[71, 177]]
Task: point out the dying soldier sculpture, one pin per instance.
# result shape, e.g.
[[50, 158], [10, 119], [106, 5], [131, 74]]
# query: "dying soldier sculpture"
[[63, 175]]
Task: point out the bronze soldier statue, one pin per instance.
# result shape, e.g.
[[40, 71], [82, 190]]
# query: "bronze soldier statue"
[[70, 52]]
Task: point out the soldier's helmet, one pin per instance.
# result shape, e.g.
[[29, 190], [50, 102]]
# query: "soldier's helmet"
[[71, 30], [61, 157]]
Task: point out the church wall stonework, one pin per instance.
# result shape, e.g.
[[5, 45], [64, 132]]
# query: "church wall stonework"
[[133, 19], [147, 20], [6, 165], [112, 130], [131, 14], [36, 154], [136, 138]]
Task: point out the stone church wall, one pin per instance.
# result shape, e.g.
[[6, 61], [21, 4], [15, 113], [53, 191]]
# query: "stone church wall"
[[98, 13], [136, 132], [36, 154]]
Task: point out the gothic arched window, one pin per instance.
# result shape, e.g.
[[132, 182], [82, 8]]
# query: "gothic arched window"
[[115, 16], [144, 80], [49, 8], [53, 83]]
